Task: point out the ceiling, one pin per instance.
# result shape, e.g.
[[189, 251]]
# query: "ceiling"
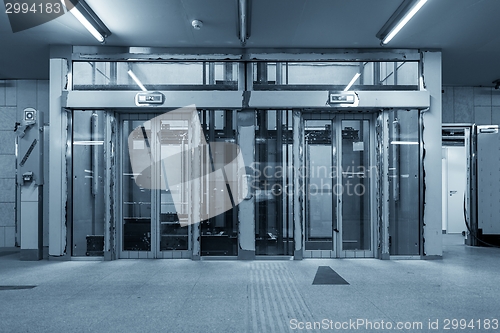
[[466, 31]]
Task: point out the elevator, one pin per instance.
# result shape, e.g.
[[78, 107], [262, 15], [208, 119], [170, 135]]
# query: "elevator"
[[244, 160]]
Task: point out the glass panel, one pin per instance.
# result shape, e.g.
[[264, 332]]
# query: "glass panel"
[[155, 75], [219, 234], [356, 219], [387, 70], [273, 153], [407, 73], [320, 185], [136, 199], [174, 139], [320, 197], [336, 75], [322, 73], [404, 212], [88, 183]]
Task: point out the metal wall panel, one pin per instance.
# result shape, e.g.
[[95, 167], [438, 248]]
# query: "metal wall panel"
[[488, 178]]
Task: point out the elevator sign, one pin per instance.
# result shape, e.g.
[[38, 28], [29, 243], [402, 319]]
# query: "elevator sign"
[[336, 98], [149, 99]]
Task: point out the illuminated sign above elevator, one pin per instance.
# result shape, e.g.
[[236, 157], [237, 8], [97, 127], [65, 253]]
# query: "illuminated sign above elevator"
[[149, 99], [336, 98]]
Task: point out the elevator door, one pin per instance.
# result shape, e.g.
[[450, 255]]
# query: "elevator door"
[[338, 186], [152, 209], [219, 232], [272, 183], [88, 183]]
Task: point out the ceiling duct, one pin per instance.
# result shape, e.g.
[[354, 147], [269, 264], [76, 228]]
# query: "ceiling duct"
[[244, 20]]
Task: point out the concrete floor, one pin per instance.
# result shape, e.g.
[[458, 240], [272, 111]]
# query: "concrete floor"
[[252, 296]]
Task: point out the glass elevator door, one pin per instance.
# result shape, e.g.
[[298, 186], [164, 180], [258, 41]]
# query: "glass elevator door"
[[153, 206], [219, 233], [88, 183], [272, 183], [338, 185], [321, 159]]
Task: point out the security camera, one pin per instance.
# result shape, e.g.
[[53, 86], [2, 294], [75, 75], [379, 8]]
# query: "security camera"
[[497, 83]]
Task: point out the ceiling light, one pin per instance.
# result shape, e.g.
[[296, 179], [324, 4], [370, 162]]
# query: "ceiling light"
[[356, 76], [398, 20], [136, 80], [83, 13], [404, 143]]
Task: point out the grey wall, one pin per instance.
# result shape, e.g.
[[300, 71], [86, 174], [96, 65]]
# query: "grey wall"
[[469, 105], [15, 96]]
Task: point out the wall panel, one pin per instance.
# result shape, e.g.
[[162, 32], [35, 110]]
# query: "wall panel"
[[15, 95]]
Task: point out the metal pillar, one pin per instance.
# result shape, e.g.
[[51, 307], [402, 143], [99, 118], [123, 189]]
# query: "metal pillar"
[[298, 184], [246, 211]]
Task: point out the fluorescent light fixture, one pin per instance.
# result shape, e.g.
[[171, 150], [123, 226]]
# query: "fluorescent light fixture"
[[404, 143], [352, 81], [88, 143], [398, 20], [83, 13], [136, 80]]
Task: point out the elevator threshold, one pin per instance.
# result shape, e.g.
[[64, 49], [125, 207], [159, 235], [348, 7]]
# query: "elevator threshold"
[[219, 258], [213, 258], [87, 259], [273, 257]]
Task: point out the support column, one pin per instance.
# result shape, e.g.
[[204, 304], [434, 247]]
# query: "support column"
[[196, 186], [57, 181], [298, 184], [384, 190], [246, 209], [110, 196], [432, 122]]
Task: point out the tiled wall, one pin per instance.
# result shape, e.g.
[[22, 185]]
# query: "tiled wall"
[[15, 96], [471, 105]]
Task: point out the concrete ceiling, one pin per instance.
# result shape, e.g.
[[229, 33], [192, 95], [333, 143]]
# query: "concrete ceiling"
[[465, 31]]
